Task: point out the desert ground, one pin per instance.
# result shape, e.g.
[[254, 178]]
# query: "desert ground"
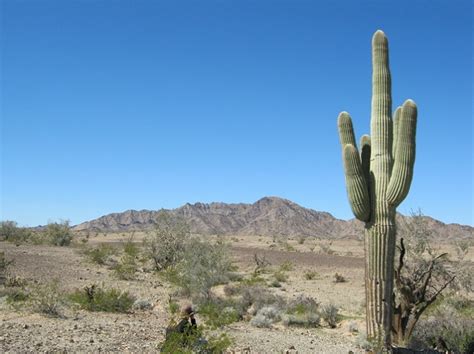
[[143, 329]]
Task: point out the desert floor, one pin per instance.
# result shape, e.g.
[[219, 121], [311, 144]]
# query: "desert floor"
[[22, 330]]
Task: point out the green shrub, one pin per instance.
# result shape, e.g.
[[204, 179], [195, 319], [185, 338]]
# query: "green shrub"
[[218, 313], [310, 275], [15, 295], [94, 298], [126, 268], [203, 266], [58, 234], [194, 342], [100, 254], [48, 299], [9, 231], [447, 324]]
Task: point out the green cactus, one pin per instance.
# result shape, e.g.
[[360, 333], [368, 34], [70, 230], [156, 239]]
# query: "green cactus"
[[377, 180]]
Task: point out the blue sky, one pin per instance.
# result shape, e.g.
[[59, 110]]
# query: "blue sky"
[[115, 105]]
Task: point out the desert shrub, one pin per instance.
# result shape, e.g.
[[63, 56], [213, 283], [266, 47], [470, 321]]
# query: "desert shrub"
[[422, 274], [15, 294], [94, 298], [266, 316], [303, 304], [256, 297], [194, 342], [286, 266], [353, 327], [100, 254], [280, 276], [173, 306], [130, 248], [275, 284], [142, 304], [4, 265], [330, 314], [446, 327], [339, 278], [9, 231], [126, 268], [307, 320], [287, 247], [47, 299], [166, 245], [310, 275], [58, 234], [326, 248], [231, 290], [302, 312], [301, 240], [254, 279], [203, 266], [218, 312], [261, 264], [13, 281]]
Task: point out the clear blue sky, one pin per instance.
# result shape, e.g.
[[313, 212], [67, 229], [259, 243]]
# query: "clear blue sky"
[[115, 105]]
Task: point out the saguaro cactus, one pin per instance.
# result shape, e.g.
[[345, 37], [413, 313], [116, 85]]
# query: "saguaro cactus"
[[377, 180]]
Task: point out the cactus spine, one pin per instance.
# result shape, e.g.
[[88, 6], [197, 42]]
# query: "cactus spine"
[[377, 180]]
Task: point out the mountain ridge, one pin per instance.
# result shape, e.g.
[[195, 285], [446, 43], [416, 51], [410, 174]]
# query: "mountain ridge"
[[269, 216]]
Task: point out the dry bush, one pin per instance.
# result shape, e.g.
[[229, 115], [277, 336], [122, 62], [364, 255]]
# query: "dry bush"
[[339, 278], [330, 314]]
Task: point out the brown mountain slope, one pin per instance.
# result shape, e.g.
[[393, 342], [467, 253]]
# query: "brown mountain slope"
[[269, 216]]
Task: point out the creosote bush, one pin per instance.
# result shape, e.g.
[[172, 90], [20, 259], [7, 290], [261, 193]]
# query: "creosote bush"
[[202, 266], [58, 234], [95, 298]]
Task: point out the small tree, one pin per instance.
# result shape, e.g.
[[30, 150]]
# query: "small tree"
[[165, 246], [421, 275]]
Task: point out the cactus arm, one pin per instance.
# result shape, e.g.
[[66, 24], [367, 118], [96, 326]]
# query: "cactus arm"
[[396, 119], [346, 131], [365, 158], [357, 190], [402, 173]]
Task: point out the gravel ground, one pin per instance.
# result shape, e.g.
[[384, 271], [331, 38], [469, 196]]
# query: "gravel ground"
[[22, 330]]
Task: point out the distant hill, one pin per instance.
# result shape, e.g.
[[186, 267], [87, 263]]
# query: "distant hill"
[[269, 216]]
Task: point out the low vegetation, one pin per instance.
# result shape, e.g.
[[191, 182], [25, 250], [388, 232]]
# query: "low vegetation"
[[97, 298]]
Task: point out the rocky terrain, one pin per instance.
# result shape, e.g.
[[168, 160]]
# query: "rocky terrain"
[[269, 216]]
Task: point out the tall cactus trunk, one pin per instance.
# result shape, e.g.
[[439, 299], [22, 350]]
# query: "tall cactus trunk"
[[379, 243], [377, 181]]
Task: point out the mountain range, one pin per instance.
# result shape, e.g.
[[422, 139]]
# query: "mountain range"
[[269, 216]]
